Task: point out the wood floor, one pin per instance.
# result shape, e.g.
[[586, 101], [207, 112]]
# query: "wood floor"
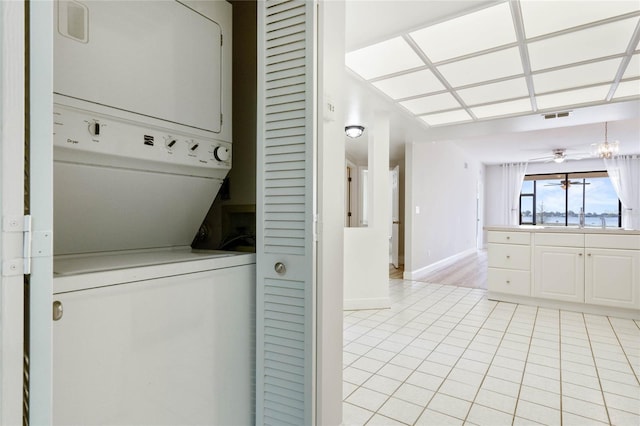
[[469, 271]]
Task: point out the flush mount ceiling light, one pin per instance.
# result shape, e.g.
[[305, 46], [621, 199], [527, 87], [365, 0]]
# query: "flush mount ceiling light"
[[606, 149], [354, 131]]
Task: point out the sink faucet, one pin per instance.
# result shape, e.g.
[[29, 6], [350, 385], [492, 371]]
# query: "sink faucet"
[[604, 222]]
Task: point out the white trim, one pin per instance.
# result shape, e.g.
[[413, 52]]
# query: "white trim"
[[41, 210], [412, 275], [362, 304], [566, 306], [12, 36]]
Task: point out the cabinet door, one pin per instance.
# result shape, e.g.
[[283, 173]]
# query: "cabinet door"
[[613, 277], [559, 273]]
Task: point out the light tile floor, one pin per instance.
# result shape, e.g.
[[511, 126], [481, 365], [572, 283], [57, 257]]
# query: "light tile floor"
[[446, 355]]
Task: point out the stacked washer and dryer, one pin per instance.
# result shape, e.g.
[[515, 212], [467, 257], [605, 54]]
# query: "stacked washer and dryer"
[[146, 330]]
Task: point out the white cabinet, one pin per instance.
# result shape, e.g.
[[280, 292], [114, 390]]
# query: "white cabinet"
[[509, 263], [558, 271], [587, 268], [612, 275]]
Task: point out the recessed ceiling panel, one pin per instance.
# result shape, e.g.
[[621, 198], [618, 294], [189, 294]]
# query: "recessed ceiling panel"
[[544, 17], [448, 117], [573, 97], [582, 75], [627, 88], [508, 89], [502, 109], [433, 103], [412, 84], [383, 58], [503, 63], [474, 32], [633, 69], [591, 43]]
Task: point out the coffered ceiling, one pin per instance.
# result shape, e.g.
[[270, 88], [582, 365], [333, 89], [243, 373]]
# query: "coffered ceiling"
[[491, 60]]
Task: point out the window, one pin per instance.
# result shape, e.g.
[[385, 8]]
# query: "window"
[[559, 199]]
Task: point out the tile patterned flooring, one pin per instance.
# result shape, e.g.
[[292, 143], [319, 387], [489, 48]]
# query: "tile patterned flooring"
[[446, 355]]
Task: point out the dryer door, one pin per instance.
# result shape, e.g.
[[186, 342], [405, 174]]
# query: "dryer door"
[[118, 54]]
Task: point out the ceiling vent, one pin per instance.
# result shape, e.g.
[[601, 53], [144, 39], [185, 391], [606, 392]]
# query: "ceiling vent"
[[556, 115]]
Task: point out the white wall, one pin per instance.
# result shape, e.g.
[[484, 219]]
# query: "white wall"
[[442, 182], [366, 250]]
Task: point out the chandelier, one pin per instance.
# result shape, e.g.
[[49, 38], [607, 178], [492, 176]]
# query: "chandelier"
[[606, 149]]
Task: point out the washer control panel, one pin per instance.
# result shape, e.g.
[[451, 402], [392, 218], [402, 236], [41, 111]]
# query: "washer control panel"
[[92, 136]]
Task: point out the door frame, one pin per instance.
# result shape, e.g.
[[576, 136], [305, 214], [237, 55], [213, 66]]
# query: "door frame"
[[12, 136]]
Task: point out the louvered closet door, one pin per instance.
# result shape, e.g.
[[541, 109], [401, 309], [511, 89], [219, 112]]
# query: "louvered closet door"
[[285, 203]]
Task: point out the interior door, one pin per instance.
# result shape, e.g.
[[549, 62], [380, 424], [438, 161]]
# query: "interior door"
[[285, 293], [41, 210], [395, 216], [25, 355]]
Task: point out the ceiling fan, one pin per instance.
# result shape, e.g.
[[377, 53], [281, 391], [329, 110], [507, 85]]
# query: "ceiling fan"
[[564, 184], [559, 155]]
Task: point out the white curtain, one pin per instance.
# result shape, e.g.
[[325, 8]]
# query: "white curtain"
[[624, 172], [512, 177]]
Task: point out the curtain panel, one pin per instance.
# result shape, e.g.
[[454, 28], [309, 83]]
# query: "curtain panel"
[[512, 177], [624, 172]]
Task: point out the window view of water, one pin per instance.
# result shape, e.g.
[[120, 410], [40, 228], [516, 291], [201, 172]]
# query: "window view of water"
[[611, 221], [558, 199]]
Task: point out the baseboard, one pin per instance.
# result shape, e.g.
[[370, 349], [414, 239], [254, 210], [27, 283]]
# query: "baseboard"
[[412, 275], [362, 304]]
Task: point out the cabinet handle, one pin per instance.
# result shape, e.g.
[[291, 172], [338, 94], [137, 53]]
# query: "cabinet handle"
[[508, 257], [589, 254], [508, 282], [579, 254], [508, 238]]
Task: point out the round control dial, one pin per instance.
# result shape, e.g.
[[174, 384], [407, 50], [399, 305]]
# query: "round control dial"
[[170, 142], [193, 146], [94, 128], [221, 153]]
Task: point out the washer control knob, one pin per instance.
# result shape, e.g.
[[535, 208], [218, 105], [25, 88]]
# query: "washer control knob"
[[221, 153], [94, 128], [171, 142]]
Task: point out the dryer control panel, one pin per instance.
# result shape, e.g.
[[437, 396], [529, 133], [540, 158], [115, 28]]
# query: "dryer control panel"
[[94, 138]]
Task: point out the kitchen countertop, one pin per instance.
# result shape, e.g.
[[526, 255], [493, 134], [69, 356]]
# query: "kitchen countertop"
[[562, 229]]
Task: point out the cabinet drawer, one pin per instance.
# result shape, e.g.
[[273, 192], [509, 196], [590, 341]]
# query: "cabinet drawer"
[[625, 242], [509, 256], [509, 281], [561, 240], [505, 237]]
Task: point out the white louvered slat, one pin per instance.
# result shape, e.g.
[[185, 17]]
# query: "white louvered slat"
[[284, 357]]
